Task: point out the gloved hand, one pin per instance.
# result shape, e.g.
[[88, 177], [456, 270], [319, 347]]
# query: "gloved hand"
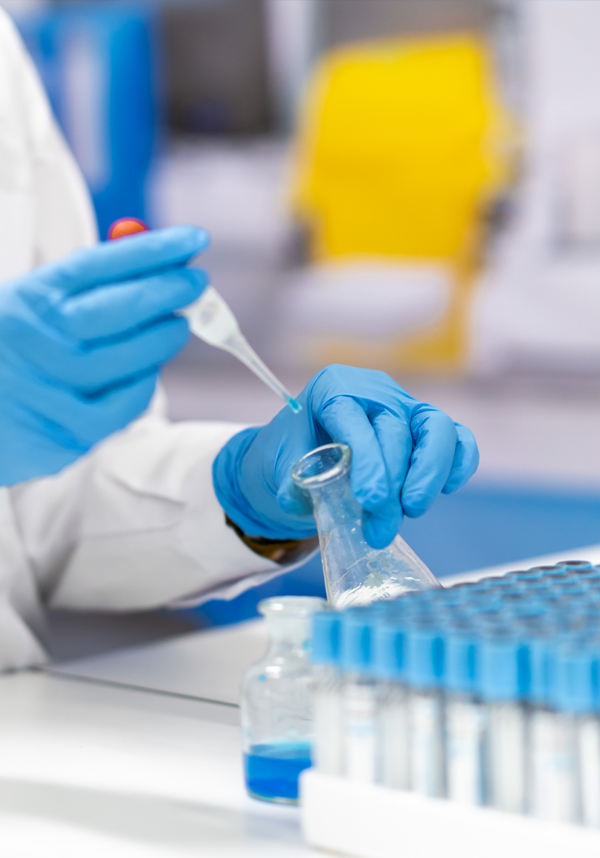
[[404, 453], [81, 343]]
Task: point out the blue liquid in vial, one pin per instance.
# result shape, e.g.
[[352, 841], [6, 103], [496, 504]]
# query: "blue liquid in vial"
[[272, 770]]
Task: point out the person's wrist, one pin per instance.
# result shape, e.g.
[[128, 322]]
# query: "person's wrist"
[[236, 484]]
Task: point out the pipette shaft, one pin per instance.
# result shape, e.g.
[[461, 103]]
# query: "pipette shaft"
[[211, 319]]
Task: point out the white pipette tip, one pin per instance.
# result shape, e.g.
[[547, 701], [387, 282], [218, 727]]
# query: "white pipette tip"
[[211, 320]]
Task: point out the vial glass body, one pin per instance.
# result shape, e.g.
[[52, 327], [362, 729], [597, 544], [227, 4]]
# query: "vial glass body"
[[355, 573], [276, 707]]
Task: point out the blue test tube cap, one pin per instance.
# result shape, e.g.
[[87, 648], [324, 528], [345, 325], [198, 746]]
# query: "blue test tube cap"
[[433, 594], [458, 618], [535, 585], [495, 582], [574, 566], [512, 595], [488, 600], [526, 574], [326, 637], [463, 586], [576, 687], [542, 667], [460, 661], [389, 650], [503, 668], [356, 640], [575, 594], [424, 657], [554, 573], [572, 582], [527, 608]]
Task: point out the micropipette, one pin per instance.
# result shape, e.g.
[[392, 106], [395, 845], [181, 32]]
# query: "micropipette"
[[211, 319]]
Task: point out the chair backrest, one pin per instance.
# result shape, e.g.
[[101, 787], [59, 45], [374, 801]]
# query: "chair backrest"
[[399, 144], [402, 146]]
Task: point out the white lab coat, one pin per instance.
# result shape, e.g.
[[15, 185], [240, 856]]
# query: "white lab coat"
[[134, 524]]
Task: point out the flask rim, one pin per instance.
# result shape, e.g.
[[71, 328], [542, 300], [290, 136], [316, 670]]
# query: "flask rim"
[[338, 469]]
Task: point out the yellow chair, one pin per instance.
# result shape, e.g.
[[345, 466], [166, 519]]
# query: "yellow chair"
[[402, 146]]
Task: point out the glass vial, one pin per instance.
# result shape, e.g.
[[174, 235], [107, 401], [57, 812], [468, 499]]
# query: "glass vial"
[[276, 708], [355, 573]]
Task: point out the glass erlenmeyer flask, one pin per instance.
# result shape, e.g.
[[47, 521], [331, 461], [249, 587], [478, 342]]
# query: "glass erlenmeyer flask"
[[355, 573]]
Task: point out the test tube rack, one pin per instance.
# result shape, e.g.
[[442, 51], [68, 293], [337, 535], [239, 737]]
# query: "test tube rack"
[[548, 618], [371, 821]]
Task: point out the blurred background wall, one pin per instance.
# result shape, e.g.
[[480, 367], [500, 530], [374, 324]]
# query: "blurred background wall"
[[411, 185]]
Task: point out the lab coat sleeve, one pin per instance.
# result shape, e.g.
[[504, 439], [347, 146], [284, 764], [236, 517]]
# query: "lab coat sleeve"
[[136, 524], [63, 215]]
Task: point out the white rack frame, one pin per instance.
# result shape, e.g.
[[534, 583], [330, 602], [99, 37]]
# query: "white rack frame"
[[369, 821]]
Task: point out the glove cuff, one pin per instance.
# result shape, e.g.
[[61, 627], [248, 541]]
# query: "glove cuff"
[[226, 481]]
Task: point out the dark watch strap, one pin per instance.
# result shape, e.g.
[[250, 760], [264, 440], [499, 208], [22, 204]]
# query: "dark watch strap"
[[282, 551]]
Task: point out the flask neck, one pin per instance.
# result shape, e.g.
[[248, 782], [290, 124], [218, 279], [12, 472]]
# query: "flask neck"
[[324, 475], [334, 505]]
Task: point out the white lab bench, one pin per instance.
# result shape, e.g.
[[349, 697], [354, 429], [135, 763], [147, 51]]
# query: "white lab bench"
[[91, 768], [136, 754]]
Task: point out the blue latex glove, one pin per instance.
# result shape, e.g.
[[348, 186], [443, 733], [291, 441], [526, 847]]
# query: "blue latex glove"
[[81, 343], [404, 453]]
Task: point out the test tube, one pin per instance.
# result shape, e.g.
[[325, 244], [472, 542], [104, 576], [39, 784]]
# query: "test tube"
[[550, 571], [327, 695], [389, 648], [501, 687], [464, 718], [424, 670], [552, 757], [359, 702], [577, 716], [573, 568]]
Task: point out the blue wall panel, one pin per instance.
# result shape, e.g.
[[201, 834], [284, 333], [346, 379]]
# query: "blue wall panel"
[[98, 62]]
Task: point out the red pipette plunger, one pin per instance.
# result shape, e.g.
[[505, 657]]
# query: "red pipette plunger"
[[126, 226]]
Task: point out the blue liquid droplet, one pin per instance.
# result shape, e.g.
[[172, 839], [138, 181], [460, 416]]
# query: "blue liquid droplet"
[[294, 405]]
